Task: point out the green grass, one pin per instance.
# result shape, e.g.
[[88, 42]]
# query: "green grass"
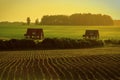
[[17, 31]]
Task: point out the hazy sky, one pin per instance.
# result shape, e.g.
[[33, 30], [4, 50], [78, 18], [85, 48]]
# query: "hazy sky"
[[18, 10]]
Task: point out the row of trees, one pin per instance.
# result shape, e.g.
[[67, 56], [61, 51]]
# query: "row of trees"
[[29, 21], [77, 19], [48, 43], [112, 41]]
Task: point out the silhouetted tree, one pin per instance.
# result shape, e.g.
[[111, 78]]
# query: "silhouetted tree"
[[37, 21], [28, 20]]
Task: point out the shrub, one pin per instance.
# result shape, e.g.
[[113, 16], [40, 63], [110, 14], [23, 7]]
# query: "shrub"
[[66, 43], [116, 42], [48, 43]]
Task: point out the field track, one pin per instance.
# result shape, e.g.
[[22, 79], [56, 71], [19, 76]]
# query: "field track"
[[59, 65]]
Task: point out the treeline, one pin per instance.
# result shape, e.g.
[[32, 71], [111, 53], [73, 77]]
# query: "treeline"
[[48, 43], [78, 19], [117, 22]]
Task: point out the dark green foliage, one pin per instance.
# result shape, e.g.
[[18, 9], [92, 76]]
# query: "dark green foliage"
[[14, 44], [64, 43], [78, 19], [116, 42]]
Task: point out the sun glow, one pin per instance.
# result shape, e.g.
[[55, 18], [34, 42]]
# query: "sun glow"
[[18, 10]]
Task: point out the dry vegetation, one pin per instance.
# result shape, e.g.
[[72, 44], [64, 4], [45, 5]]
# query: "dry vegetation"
[[76, 64]]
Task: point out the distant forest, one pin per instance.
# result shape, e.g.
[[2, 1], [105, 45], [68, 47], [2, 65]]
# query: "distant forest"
[[78, 19], [116, 22]]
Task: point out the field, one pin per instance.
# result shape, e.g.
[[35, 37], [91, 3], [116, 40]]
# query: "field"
[[76, 64], [17, 31]]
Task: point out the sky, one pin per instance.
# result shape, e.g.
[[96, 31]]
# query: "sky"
[[19, 10]]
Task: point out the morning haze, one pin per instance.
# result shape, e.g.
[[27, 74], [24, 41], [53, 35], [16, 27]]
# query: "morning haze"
[[18, 10], [59, 40]]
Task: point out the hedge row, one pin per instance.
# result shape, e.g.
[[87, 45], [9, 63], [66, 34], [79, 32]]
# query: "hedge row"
[[110, 41], [48, 43]]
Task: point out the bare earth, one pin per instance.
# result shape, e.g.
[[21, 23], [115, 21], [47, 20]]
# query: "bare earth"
[[76, 64]]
